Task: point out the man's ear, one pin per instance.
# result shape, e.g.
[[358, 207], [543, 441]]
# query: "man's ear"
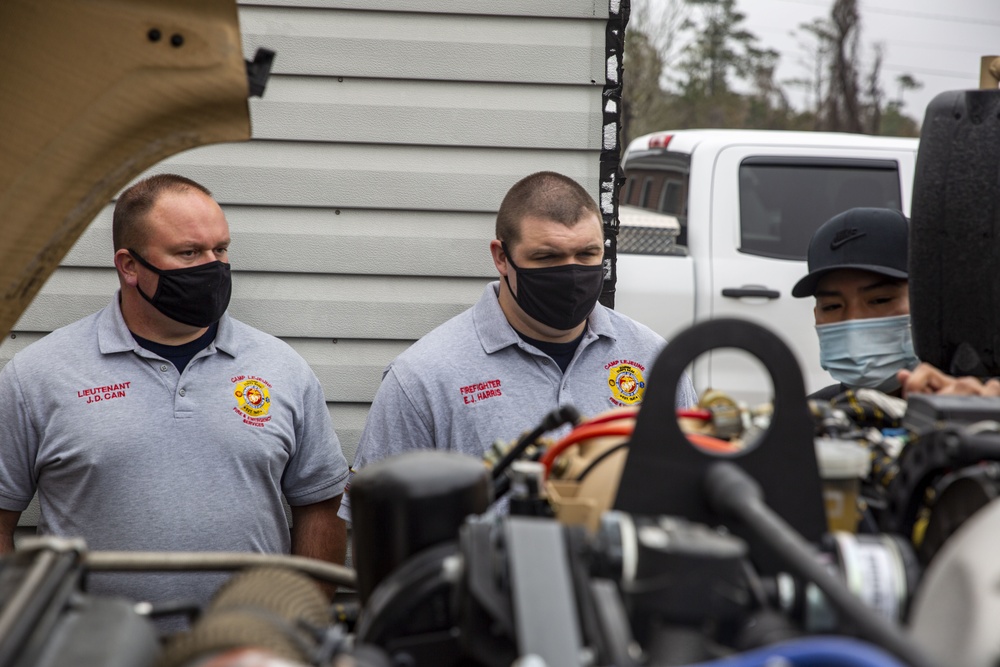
[[127, 267], [499, 257]]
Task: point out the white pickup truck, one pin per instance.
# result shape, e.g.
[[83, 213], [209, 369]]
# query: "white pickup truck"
[[716, 223]]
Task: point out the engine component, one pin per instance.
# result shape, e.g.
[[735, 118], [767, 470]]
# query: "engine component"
[[405, 504], [586, 465], [265, 608], [664, 473], [956, 497], [675, 571], [46, 620], [881, 570], [954, 612], [842, 466], [950, 433], [732, 492]]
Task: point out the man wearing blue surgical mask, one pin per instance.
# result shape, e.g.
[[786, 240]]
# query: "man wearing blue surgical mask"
[[858, 276]]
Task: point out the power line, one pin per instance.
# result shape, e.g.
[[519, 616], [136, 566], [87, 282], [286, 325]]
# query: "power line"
[[937, 47], [932, 17], [905, 13], [890, 42], [933, 72]]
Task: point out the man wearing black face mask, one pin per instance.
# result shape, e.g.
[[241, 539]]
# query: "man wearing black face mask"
[[161, 423], [537, 339]]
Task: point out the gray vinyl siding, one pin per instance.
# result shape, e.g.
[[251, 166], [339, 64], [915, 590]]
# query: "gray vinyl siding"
[[362, 209]]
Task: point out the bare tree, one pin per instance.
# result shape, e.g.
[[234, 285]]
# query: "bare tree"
[[653, 42], [874, 93], [816, 62], [843, 106], [662, 24]]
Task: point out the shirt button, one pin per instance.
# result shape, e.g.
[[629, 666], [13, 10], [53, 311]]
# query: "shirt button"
[[163, 368], [182, 392]]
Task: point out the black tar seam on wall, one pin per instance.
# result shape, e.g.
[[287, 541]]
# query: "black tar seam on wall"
[[610, 168]]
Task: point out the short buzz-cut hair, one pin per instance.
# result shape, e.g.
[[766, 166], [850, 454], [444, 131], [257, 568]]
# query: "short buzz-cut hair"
[[128, 228], [547, 195]]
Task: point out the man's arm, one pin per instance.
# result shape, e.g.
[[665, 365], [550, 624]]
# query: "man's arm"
[[317, 531], [8, 522], [394, 425]]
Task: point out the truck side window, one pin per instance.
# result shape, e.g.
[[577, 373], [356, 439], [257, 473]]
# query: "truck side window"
[[784, 200], [647, 185], [670, 198], [629, 190]]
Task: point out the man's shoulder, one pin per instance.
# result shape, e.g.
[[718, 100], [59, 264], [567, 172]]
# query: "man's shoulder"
[[252, 341], [631, 330], [69, 341], [248, 350], [452, 337]]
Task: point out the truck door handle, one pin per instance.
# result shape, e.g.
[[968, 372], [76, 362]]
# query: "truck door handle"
[[740, 292]]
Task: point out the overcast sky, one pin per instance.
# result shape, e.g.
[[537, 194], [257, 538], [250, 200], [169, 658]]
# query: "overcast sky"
[[938, 42]]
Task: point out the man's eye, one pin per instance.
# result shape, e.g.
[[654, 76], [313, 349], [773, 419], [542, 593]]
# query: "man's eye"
[[829, 307]]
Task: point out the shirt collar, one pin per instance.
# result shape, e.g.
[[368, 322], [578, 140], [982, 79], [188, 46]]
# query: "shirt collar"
[[114, 336], [496, 333]]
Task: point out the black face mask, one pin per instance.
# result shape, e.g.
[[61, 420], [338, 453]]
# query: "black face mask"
[[196, 296], [560, 297]]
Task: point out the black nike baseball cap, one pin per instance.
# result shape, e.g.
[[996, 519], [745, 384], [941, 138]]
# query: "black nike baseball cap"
[[869, 239]]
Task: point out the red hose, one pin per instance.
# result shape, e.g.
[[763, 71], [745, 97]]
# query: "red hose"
[[612, 415], [605, 425], [695, 413], [580, 433], [712, 443]]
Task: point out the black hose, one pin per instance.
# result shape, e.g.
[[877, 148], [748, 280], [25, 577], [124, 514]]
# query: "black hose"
[[599, 459], [732, 493], [553, 420]]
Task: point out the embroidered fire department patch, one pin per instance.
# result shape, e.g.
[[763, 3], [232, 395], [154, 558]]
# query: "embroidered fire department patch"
[[626, 383], [253, 399]]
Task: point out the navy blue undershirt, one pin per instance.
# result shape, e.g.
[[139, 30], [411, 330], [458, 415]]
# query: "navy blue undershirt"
[[561, 353], [180, 355]]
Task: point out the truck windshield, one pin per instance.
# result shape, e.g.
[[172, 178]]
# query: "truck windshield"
[[783, 201]]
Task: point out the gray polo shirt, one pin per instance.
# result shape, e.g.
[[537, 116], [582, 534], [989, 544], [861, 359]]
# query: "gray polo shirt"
[[473, 380], [130, 454]]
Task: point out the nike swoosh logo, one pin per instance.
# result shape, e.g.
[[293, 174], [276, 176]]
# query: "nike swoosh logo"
[[836, 243]]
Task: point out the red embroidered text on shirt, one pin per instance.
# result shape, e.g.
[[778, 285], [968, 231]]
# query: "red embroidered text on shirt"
[[105, 393], [480, 391]]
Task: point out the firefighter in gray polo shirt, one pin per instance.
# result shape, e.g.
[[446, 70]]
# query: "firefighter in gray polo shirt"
[[160, 423], [537, 339]]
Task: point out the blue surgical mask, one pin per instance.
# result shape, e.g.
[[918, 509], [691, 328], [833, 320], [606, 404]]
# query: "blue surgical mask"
[[867, 353]]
